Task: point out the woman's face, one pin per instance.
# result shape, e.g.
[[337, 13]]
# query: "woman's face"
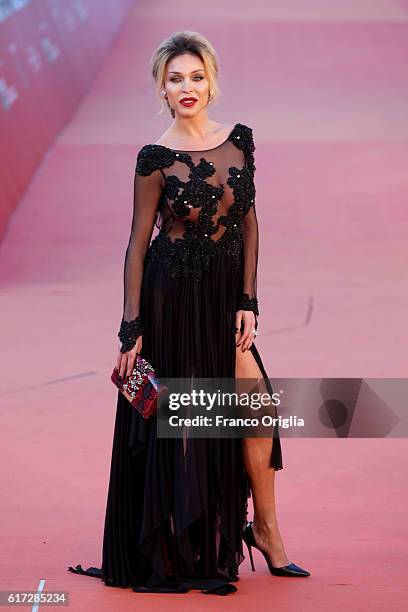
[[186, 78]]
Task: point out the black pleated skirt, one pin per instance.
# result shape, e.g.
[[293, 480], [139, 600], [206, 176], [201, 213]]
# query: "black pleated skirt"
[[176, 510]]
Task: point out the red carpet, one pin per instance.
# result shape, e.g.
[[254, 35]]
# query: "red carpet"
[[326, 94]]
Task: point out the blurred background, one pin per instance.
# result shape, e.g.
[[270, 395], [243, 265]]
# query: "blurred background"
[[323, 84], [324, 87]]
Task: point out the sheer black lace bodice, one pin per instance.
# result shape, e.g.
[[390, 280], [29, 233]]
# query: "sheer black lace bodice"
[[203, 203]]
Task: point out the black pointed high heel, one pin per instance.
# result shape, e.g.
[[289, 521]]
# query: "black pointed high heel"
[[287, 570]]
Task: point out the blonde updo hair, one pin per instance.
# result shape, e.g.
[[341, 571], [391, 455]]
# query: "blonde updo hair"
[[177, 44]]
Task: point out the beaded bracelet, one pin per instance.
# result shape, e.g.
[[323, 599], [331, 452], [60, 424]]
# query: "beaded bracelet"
[[247, 303], [129, 333]]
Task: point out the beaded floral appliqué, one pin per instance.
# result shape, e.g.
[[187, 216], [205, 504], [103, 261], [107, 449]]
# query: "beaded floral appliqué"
[[190, 255]]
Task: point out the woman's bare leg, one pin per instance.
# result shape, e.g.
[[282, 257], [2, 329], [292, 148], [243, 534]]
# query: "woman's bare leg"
[[257, 454]]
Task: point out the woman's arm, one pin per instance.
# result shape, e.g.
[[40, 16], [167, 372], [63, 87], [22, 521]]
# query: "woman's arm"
[[146, 195], [248, 299], [247, 303]]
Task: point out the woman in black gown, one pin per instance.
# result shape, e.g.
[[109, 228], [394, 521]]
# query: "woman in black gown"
[[176, 510]]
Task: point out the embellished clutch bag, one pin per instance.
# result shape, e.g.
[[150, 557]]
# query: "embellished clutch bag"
[[142, 388]]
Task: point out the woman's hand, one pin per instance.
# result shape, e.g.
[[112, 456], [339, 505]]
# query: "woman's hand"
[[126, 361], [246, 337]]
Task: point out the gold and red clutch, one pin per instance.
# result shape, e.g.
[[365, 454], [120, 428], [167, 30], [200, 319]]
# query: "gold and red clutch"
[[142, 388]]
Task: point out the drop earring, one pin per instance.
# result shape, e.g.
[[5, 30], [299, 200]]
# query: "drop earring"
[[173, 114]]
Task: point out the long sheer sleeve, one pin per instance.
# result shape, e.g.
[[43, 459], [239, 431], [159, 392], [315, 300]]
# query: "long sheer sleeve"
[[248, 299], [250, 233], [251, 244], [147, 189]]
